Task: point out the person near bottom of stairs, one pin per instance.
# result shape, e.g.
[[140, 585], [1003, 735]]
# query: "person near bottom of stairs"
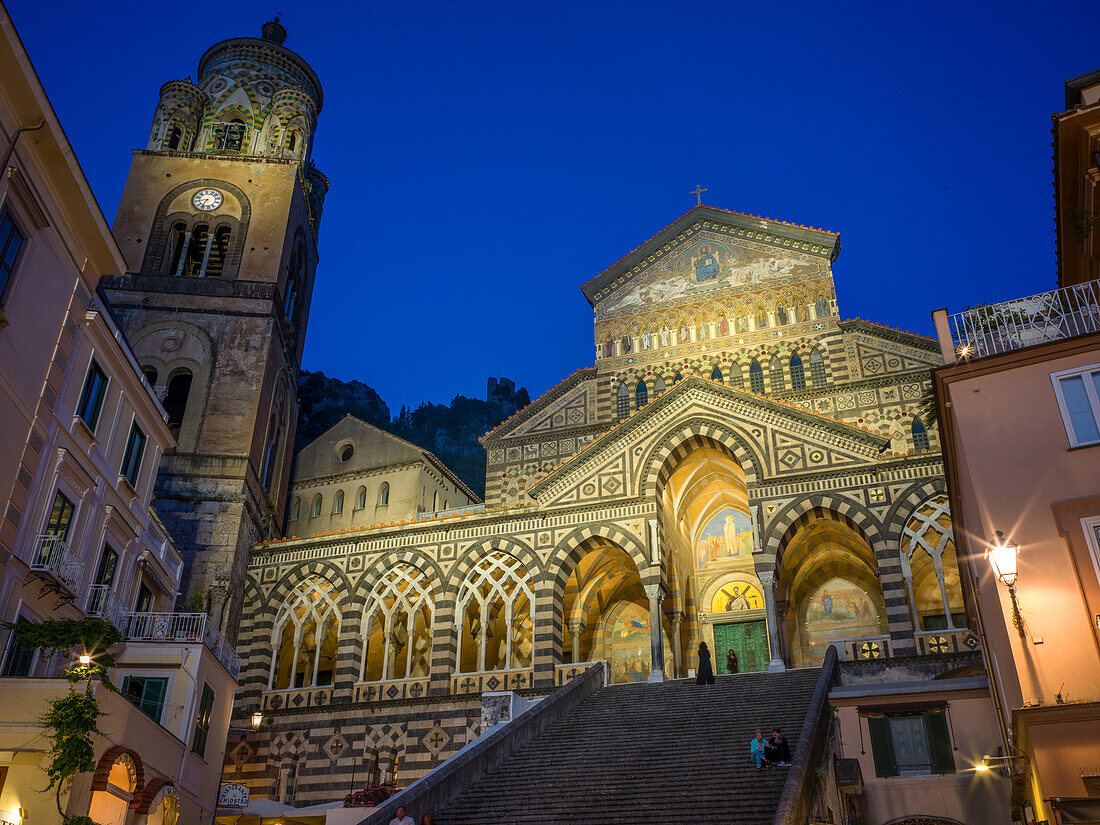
[[402, 817], [757, 748], [706, 670], [427, 820], [777, 750], [731, 662]]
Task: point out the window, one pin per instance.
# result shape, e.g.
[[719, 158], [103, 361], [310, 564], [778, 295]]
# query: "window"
[[361, 498], [347, 453], [151, 375], [196, 251], [229, 136], [1091, 527], [61, 516], [1078, 393], [144, 603], [175, 400], [202, 722], [174, 137], [911, 744], [108, 563], [384, 494], [756, 377], [817, 368], [296, 510], [91, 397], [11, 242], [920, 435], [215, 255], [641, 395], [315, 510], [17, 664], [338, 503], [292, 141], [798, 375], [716, 374], [306, 635], [146, 694], [623, 402], [775, 374], [677, 378], [135, 449], [271, 450], [179, 241]]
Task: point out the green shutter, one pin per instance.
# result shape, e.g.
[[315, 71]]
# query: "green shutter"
[[882, 746], [152, 698], [939, 742]]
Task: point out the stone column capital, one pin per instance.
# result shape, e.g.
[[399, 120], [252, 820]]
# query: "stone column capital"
[[767, 578], [655, 591]]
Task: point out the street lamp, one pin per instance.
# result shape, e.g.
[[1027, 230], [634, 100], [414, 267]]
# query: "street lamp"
[[1002, 558], [257, 720], [85, 659]]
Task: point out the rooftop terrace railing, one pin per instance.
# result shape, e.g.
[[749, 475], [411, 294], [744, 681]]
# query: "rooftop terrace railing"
[[992, 329]]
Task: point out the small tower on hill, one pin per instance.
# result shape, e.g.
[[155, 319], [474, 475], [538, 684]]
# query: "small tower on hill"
[[218, 222]]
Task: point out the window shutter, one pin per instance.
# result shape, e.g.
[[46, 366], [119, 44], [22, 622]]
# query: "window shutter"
[[939, 742], [882, 746]]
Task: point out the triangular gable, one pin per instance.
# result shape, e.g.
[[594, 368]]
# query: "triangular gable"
[[803, 243], [570, 404], [876, 350], [778, 440]]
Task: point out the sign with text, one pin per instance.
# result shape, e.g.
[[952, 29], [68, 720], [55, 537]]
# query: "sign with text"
[[233, 796]]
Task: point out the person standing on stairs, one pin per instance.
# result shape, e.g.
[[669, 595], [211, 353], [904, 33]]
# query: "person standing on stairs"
[[731, 662], [706, 669]]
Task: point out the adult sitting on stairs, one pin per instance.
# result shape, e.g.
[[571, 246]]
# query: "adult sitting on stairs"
[[777, 750], [757, 747]]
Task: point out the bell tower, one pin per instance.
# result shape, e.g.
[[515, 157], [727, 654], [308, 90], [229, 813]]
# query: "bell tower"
[[218, 222]]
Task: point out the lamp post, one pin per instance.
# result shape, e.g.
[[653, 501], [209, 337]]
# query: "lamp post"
[[1002, 558], [257, 720]]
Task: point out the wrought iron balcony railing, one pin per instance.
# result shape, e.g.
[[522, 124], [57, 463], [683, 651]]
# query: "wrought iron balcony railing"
[[102, 603], [1023, 322], [182, 627], [53, 557]]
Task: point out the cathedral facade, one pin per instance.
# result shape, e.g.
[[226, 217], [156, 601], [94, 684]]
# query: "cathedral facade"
[[739, 466]]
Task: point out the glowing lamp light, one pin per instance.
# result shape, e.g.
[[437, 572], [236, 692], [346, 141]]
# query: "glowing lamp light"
[[983, 766], [85, 659], [257, 718], [1002, 557]]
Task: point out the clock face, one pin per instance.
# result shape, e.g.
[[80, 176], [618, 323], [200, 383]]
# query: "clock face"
[[207, 200]]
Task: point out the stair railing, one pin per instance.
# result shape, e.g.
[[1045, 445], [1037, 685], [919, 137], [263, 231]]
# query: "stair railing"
[[445, 784], [798, 790]]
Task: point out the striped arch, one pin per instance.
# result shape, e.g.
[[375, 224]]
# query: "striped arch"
[[473, 554], [569, 551], [288, 745], [107, 761], [412, 556], [904, 505], [690, 435], [821, 506], [326, 570]]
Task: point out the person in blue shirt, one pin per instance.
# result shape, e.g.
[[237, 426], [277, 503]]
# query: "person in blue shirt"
[[756, 748]]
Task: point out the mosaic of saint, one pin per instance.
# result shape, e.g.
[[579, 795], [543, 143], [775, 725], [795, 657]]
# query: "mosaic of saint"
[[737, 596], [838, 609], [726, 538], [706, 266], [627, 644]]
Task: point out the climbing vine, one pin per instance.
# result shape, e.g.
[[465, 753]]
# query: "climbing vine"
[[70, 720]]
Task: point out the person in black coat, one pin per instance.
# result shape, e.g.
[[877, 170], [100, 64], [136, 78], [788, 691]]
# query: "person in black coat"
[[706, 670]]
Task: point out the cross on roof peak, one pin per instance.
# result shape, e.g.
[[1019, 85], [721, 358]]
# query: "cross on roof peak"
[[698, 193]]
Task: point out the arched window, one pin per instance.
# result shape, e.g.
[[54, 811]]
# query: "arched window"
[[296, 510], [294, 280], [676, 379], [494, 607], [623, 402], [361, 498], [775, 374], [659, 385], [736, 378], [716, 374], [229, 136], [399, 611], [338, 503], [756, 377], [174, 137], [817, 368], [150, 374], [305, 640], [219, 248], [292, 140], [384, 494], [315, 510], [196, 251], [175, 400], [920, 435], [271, 447], [641, 395], [435, 501], [178, 244], [798, 375]]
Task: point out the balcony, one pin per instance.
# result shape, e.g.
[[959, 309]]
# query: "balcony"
[[1023, 322], [185, 628], [102, 603], [53, 559]]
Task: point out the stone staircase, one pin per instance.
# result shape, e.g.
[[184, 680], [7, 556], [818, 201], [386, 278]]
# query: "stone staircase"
[[675, 752]]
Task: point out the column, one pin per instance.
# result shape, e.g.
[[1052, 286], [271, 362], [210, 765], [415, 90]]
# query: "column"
[[576, 630], [183, 253], [656, 594], [776, 664], [938, 564], [206, 253], [677, 649]]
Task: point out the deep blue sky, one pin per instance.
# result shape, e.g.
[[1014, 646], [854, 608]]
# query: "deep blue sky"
[[488, 158]]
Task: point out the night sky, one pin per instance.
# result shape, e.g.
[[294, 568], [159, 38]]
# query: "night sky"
[[487, 159]]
